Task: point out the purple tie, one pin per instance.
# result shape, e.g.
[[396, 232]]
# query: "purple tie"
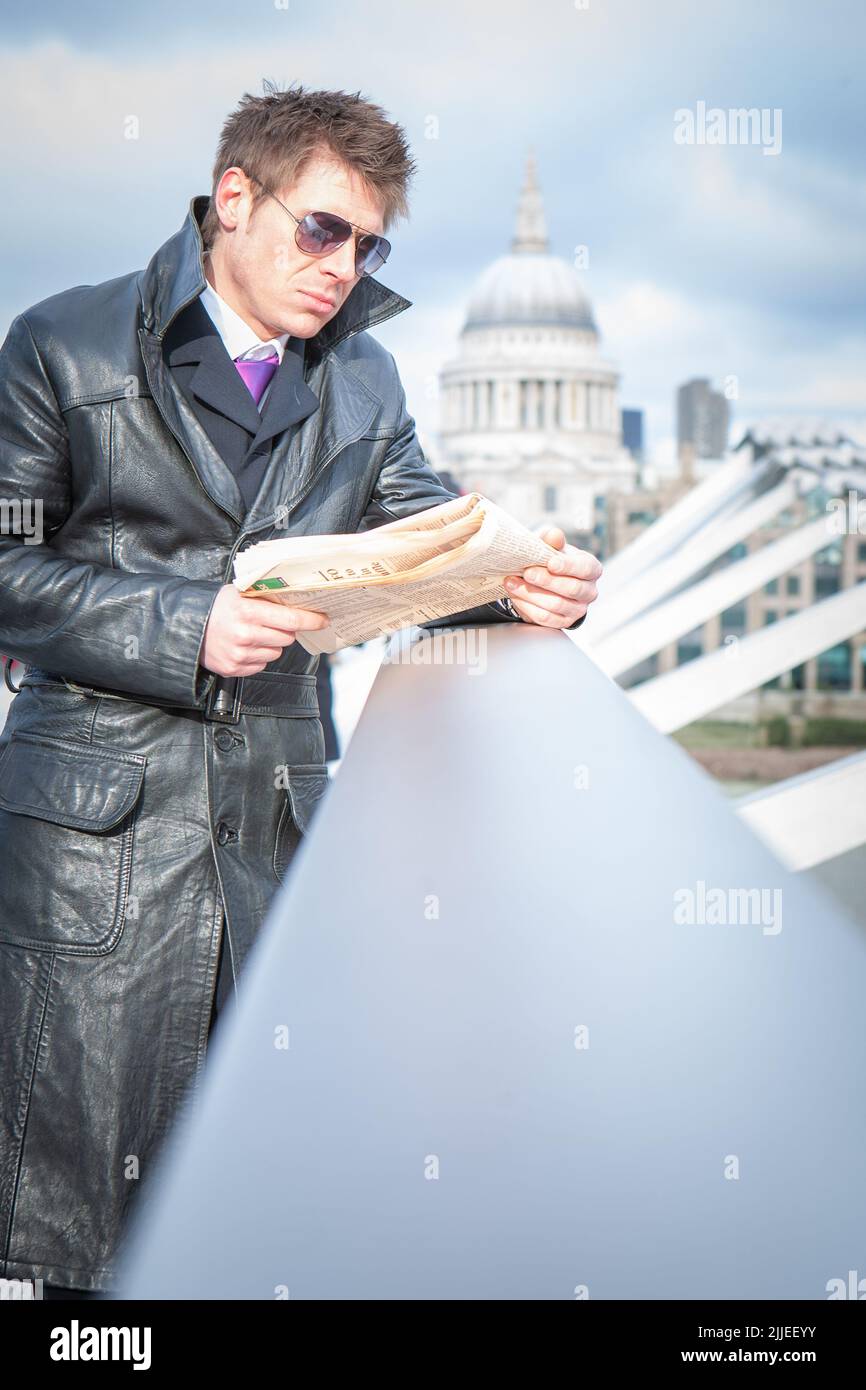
[[256, 373]]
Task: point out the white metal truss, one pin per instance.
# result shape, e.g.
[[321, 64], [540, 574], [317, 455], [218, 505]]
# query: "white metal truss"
[[735, 479], [648, 633], [679, 697], [626, 601], [809, 819]]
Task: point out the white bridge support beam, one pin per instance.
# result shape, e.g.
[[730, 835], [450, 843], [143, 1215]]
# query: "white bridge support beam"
[[725, 488], [628, 645], [679, 697], [809, 819], [622, 604]]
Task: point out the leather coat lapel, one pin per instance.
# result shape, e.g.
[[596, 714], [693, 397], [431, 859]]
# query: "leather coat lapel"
[[213, 473], [290, 399], [346, 409], [216, 381]]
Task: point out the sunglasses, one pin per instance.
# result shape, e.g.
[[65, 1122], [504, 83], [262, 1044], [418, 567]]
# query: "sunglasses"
[[320, 233]]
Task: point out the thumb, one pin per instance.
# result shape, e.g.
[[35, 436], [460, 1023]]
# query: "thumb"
[[553, 536]]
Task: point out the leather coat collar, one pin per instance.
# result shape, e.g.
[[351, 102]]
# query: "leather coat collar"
[[175, 276]]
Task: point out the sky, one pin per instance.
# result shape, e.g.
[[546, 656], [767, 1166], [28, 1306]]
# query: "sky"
[[704, 259]]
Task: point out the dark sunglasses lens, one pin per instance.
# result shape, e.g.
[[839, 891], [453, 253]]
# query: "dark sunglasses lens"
[[372, 252], [319, 232]]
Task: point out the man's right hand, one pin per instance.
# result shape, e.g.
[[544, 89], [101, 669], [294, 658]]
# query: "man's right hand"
[[243, 634]]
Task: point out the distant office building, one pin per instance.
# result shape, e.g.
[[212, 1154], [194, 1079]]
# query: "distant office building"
[[632, 433], [703, 419]]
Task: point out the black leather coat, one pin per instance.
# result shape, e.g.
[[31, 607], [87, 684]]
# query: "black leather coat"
[[138, 793]]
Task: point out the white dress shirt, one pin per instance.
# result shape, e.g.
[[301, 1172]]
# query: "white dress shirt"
[[238, 338]]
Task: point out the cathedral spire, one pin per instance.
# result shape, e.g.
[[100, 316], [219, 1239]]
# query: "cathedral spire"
[[530, 232]]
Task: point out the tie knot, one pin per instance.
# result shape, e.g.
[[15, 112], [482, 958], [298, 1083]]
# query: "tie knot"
[[256, 373]]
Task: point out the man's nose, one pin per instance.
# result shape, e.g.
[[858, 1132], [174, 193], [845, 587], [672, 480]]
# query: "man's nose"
[[342, 261]]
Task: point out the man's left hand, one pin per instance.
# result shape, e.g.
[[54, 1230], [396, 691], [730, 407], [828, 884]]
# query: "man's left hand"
[[560, 592]]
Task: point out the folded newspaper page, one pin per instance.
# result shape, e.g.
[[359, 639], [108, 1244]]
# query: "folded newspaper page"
[[429, 565]]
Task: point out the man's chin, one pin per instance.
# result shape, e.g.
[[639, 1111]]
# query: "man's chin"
[[306, 323]]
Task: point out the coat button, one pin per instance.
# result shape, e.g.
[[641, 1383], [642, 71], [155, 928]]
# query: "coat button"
[[225, 739], [225, 834]]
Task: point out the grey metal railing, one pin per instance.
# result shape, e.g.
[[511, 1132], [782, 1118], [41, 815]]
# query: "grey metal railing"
[[536, 1016]]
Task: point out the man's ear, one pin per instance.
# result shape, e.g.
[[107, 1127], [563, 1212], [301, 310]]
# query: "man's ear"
[[230, 195]]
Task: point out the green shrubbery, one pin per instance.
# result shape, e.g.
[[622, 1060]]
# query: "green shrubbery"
[[718, 733], [778, 732], [818, 733]]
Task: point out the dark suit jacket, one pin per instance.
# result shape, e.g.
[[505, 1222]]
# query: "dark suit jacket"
[[197, 358]]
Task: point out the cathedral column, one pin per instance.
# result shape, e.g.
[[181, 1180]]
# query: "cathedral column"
[[454, 399], [506, 408], [549, 417], [467, 411], [532, 405], [579, 405], [567, 406], [481, 409]]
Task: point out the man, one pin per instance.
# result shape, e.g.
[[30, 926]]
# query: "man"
[[166, 753]]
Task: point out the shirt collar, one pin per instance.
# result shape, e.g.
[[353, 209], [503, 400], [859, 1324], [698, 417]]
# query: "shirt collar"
[[240, 340]]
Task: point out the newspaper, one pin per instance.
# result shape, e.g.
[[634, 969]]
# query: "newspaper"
[[432, 564]]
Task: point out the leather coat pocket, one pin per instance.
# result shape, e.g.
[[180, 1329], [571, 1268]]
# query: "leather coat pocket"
[[66, 826], [307, 784]]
